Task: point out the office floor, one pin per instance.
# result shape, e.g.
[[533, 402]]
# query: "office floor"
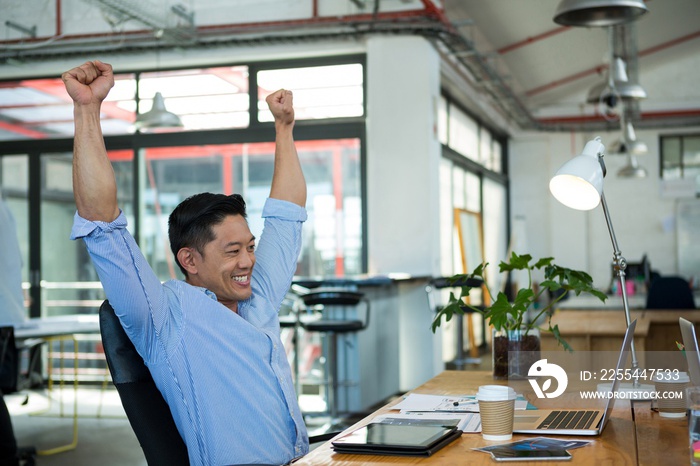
[[104, 434], [106, 440]]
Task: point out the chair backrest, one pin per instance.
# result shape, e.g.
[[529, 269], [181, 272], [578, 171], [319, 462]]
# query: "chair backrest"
[[8, 360], [670, 292], [440, 283], [148, 413], [339, 298], [20, 361]]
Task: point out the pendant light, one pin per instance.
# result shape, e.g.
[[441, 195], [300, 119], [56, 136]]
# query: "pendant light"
[[158, 116], [632, 169], [587, 13]]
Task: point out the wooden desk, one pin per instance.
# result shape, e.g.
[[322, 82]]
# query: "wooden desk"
[[659, 440], [616, 446]]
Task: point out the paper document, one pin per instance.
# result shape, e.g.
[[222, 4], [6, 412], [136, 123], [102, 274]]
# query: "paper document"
[[417, 402], [466, 422]]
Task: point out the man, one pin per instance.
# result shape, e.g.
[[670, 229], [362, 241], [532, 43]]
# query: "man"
[[11, 312], [11, 295], [212, 341]]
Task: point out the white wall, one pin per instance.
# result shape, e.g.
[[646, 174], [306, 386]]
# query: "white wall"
[[403, 153], [403, 158], [642, 218]]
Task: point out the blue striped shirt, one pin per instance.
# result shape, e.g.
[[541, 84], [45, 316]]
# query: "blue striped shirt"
[[224, 375]]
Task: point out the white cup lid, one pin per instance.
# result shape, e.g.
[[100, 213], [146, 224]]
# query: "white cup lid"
[[495, 393], [671, 376]]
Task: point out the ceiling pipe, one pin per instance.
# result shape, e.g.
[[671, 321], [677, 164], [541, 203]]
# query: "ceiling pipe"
[[647, 120], [237, 28], [532, 40], [429, 22], [601, 68]]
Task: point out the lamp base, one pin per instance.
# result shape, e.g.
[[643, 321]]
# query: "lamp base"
[[629, 391]]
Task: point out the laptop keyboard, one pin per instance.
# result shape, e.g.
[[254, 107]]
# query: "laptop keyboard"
[[568, 420]]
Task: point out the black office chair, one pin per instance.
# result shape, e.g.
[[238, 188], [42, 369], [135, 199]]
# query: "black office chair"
[[148, 413], [671, 292], [15, 377]]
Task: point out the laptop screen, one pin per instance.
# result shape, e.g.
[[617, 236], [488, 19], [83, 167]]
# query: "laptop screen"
[[621, 362], [690, 342]]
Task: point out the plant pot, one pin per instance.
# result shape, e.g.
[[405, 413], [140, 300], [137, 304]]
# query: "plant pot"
[[514, 351]]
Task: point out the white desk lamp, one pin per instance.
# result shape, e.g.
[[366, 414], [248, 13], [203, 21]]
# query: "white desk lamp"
[[578, 184]]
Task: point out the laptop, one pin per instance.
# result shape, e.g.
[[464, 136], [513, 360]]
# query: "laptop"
[[574, 421], [692, 356]]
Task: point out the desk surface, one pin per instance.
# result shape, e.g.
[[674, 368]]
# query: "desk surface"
[[616, 446]]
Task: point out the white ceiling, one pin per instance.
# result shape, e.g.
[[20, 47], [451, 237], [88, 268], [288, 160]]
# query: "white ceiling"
[[538, 71], [550, 68]]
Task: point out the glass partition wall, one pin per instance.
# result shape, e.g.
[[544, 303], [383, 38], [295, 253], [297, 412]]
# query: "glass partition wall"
[[473, 178]]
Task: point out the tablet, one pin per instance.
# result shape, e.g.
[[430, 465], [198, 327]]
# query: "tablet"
[[379, 438], [530, 455]]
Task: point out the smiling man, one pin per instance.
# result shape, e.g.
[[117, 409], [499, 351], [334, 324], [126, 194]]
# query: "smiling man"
[[211, 341]]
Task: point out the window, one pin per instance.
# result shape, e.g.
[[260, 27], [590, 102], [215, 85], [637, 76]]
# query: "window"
[[332, 239], [319, 91], [463, 133], [471, 178], [155, 171], [680, 158], [209, 98]]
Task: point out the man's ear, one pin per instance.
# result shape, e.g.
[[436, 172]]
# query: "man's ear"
[[186, 257]]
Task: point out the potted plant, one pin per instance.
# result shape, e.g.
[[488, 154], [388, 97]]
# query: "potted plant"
[[515, 328]]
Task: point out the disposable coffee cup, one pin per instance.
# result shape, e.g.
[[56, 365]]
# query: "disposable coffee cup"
[[670, 393], [496, 407]]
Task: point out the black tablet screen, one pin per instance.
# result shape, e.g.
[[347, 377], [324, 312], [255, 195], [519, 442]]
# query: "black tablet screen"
[[408, 436]]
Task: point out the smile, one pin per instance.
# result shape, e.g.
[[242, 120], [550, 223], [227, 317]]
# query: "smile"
[[240, 278]]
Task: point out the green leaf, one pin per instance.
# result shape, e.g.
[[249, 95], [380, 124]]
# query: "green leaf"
[[560, 340], [516, 263], [545, 261]]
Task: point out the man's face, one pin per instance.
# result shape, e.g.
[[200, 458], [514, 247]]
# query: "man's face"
[[226, 266]]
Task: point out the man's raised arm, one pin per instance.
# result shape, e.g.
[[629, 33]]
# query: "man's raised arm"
[[288, 181], [94, 185]]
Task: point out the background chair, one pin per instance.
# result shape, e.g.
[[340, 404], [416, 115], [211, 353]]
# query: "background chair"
[[333, 305], [148, 413], [671, 292], [14, 377]]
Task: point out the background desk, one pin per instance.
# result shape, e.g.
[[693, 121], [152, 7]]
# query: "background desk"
[[602, 330], [398, 350], [60, 329], [57, 326], [618, 445]]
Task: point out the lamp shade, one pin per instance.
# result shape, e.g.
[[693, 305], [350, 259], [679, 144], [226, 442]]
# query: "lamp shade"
[[578, 184], [603, 13], [628, 91], [158, 116], [632, 147]]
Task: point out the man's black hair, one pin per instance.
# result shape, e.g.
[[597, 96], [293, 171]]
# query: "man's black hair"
[[190, 224]]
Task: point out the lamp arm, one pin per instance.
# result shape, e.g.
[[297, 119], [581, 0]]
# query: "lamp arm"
[[620, 264]]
